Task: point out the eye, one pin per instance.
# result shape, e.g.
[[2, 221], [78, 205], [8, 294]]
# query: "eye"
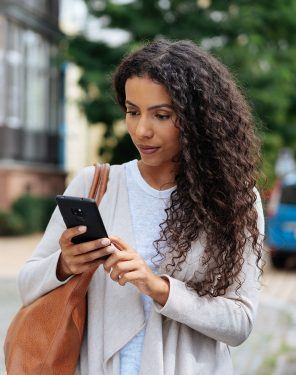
[[132, 113], [162, 117]]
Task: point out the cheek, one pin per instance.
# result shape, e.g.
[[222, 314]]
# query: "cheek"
[[173, 138], [174, 134], [168, 136], [129, 127]]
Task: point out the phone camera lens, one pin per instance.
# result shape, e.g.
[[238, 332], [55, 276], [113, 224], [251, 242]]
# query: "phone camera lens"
[[77, 211]]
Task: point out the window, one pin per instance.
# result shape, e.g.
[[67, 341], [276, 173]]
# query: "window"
[[14, 77], [29, 95], [36, 94], [29, 76], [37, 5]]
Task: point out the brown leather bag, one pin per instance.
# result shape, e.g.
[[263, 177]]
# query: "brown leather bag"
[[45, 337]]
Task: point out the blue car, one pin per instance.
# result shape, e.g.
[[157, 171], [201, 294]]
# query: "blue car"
[[281, 221]]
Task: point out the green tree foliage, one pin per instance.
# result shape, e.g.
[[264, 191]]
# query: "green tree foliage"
[[256, 40]]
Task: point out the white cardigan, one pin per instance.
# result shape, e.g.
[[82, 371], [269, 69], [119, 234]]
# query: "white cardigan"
[[188, 335]]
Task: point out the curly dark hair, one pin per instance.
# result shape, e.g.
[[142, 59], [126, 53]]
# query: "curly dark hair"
[[219, 161]]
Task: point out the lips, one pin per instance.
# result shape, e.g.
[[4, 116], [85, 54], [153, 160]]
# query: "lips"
[[147, 147]]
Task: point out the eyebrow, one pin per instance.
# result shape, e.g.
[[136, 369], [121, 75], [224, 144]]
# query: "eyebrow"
[[152, 107]]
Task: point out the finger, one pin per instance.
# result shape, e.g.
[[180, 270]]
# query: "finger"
[[87, 266], [123, 267], [116, 257], [129, 276], [122, 245], [69, 233], [85, 247], [94, 254]]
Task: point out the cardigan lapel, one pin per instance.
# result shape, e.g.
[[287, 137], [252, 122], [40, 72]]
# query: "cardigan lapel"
[[152, 355], [123, 307]]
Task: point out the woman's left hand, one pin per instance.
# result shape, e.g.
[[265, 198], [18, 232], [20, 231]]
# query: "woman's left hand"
[[128, 266]]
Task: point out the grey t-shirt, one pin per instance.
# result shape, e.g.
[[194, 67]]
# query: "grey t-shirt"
[[147, 209]]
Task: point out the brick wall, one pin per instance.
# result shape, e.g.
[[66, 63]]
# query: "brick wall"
[[16, 181]]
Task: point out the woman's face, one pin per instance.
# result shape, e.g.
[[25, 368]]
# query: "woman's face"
[[150, 120]]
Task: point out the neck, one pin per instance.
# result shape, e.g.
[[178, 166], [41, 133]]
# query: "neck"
[[159, 177]]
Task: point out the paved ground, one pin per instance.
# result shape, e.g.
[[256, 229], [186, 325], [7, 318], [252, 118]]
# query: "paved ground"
[[270, 349]]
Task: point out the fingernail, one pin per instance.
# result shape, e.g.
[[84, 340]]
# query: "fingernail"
[[111, 249], [82, 228], [106, 242]]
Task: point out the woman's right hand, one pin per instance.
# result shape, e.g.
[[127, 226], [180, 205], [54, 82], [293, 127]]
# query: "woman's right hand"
[[78, 258]]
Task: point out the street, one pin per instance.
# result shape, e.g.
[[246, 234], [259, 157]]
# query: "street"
[[270, 349]]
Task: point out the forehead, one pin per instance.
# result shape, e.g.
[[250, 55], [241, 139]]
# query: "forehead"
[[144, 89]]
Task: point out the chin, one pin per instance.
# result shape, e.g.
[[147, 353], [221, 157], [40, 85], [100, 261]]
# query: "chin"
[[152, 163]]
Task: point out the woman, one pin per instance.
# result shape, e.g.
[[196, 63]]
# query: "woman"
[[185, 223]]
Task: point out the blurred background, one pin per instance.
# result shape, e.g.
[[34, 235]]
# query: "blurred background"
[[57, 115]]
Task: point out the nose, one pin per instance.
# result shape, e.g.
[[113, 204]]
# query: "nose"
[[144, 127]]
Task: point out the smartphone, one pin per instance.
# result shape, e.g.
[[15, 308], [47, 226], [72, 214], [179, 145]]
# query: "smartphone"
[[82, 211]]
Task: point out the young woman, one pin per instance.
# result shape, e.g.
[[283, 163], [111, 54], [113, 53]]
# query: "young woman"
[[185, 224]]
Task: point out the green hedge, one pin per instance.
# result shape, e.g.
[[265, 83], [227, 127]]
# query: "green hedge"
[[11, 224], [29, 214]]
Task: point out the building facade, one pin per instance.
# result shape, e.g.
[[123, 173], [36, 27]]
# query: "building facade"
[[31, 100]]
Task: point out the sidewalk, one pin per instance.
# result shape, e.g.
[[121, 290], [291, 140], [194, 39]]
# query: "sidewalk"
[[271, 347]]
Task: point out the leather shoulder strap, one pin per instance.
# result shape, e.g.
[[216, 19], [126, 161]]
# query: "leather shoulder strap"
[[99, 183]]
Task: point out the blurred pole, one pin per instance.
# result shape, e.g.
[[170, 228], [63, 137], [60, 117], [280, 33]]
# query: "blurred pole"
[[62, 126]]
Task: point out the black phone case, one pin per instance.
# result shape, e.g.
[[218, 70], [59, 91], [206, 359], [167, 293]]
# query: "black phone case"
[[82, 211]]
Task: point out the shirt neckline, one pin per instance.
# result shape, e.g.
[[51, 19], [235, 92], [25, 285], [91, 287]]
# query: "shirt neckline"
[[145, 186]]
